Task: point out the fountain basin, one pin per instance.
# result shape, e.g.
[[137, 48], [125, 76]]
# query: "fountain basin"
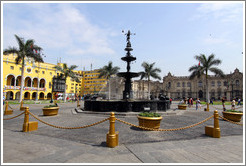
[[126, 106]]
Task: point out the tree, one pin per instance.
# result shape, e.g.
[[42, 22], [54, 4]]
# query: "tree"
[[106, 72], [205, 65], [149, 71], [26, 49], [67, 72]]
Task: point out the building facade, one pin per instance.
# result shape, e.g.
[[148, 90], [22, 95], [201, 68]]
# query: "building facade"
[[92, 84], [37, 80], [230, 86]]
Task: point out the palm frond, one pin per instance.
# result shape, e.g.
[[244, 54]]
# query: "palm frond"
[[20, 41], [10, 50], [217, 71]]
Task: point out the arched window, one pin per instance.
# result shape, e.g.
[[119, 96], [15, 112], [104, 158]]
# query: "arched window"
[[183, 84]]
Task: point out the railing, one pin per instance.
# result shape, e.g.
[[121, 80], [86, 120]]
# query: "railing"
[[8, 87]]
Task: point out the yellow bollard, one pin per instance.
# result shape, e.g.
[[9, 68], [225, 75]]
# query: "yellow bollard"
[[21, 106], [7, 111], [214, 131], [28, 126], [112, 137], [78, 105]]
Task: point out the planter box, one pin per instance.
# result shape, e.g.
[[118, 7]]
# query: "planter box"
[[233, 116], [182, 107], [50, 111], [150, 122]]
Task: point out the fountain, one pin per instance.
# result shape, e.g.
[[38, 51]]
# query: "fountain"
[[127, 104]]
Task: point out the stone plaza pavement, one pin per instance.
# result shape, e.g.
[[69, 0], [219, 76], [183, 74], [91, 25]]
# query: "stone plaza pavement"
[[53, 145]]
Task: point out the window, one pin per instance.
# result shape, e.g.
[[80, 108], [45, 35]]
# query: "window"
[[183, 84], [72, 83], [219, 83], [12, 67], [43, 72], [178, 84], [237, 82], [225, 83], [200, 84], [212, 83], [188, 84], [36, 71], [28, 70], [49, 84]]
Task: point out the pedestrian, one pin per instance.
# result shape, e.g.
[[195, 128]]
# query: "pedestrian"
[[223, 103], [211, 102], [198, 103], [171, 100], [233, 103], [191, 101], [3, 99], [239, 101]]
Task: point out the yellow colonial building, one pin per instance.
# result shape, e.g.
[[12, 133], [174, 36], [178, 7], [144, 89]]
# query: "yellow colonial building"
[[92, 84], [38, 80]]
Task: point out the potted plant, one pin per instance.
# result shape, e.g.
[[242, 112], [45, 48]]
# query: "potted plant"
[[50, 110], [233, 115], [149, 120], [182, 106]]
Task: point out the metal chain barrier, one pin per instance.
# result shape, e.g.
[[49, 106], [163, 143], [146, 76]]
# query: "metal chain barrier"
[[14, 116], [230, 121], [60, 127], [181, 128]]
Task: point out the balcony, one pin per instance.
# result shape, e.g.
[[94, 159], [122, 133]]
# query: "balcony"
[[8, 87]]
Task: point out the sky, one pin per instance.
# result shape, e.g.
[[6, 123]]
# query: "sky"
[[169, 34]]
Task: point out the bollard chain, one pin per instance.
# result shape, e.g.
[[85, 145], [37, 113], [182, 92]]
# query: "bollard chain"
[[230, 121], [181, 128], [60, 127], [14, 116]]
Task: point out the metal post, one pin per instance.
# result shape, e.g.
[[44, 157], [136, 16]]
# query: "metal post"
[[78, 105], [7, 106], [112, 137], [26, 120], [216, 131]]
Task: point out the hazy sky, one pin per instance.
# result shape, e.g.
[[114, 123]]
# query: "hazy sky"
[[170, 34]]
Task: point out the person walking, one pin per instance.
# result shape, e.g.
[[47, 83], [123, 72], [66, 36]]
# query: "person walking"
[[3, 99], [198, 103], [233, 103], [223, 103], [191, 102], [239, 101]]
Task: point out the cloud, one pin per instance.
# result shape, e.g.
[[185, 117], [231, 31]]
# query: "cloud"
[[55, 26], [224, 12]]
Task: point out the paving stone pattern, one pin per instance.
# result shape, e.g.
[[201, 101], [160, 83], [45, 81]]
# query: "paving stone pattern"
[[52, 145]]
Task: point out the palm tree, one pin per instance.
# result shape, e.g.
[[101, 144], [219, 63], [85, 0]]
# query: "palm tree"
[[67, 72], [106, 72], [26, 49], [149, 71], [205, 65]]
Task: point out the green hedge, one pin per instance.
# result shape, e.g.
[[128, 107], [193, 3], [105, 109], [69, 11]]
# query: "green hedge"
[[149, 114]]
